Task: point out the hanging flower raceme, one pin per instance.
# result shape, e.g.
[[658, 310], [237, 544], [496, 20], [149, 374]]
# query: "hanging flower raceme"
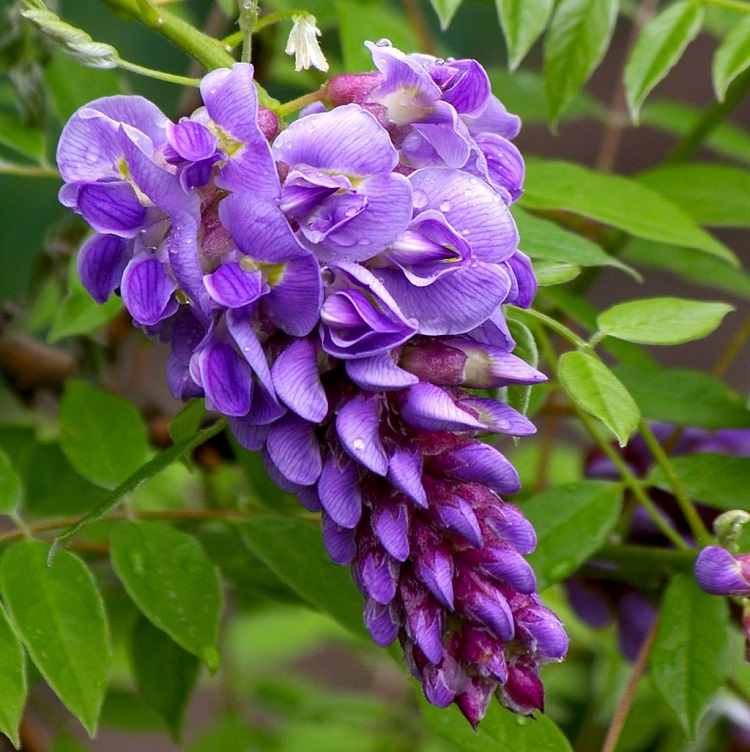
[[336, 291]]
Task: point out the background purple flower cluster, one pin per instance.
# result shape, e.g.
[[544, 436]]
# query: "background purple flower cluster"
[[335, 289]]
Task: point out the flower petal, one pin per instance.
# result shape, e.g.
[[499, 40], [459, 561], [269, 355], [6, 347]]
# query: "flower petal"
[[339, 492], [101, 262], [379, 372], [148, 291], [294, 449], [358, 427], [297, 381]]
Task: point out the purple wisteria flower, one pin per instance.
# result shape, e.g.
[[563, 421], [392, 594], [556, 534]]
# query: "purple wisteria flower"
[[336, 291], [720, 573]]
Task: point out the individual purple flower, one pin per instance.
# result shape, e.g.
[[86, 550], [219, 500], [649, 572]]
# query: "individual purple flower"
[[340, 188], [720, 573]]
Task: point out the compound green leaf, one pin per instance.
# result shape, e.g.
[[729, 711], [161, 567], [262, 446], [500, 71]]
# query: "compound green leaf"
[[59, 615], [595, 389], [103, 436], [711, 194], [689, 659], [658, 49], [662, 321], [618, 201], [20, 137], [575, 43], [293, 550], [572, 521], [732, 57], [173, 582], [522, 22], [684, 397], [12, 680], [499, 731], [165, 674]]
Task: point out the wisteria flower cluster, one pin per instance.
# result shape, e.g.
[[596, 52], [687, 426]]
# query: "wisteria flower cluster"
[[335, 289]]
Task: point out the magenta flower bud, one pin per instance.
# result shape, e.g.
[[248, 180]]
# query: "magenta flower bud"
[[268, 122], [346, 88], [484, 652], [474, 701], [720, 573], [523, 693]]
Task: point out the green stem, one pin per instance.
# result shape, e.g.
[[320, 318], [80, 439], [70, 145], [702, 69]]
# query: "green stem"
[[28, 171], [248, 21], [697, 526], [160, 75], [632, 482], [554, 325], [210, 53], [296, 104], [280, 15], [713, 117], [651, 558]]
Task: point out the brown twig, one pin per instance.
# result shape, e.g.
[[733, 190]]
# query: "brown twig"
[[623, 707]]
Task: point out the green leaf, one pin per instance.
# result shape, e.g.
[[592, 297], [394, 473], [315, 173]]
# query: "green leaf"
[[186, 423], [617, 201], [293, 550], [677, 118], [79, 312], [717, 480], [165, 674], [575, 43], [662, 321], [59, 615], [595, 389], [445, 10], [684, 397], [659, 47], [11, 487], [549, 273], [21, 137], [103, 436], [518, 395], [359, 22], [152, 468], [692, 265], [172, 581], [12, 680], [522, 22], [711, 194], [572, 522], [731, 58], [522, 93], [543, 239], [72, 85], [499, 731], [689, 660]]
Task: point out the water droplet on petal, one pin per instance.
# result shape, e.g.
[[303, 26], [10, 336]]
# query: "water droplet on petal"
[[439, 61], [383, 43], [445, 206], [420, 199], [358, 445]]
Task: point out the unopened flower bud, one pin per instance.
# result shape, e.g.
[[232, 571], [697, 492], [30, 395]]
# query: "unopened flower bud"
[[728, 527], [346, 88], [720, 573]]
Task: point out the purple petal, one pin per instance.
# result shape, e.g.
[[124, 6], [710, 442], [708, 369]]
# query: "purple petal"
[[436, 691], [505, 165], [502, 562], [293, 302], [346, 140], [433, 564], [338, 540], [494, 118], [339, 492], [499, 417], [111, 207], [249, 435], [484, 652], [542, 632], [473, 703], [232, 103], [510, 524], [443, 130], [479, 287], [468, 88], [478, 600], [232, 287], [523, 692], [225, 377], [425, 619], [380, 622], [240, 326], [376, 572], [101, 262], [429, 408], [720, 573], [390, 522], [482, 463], [471, 207], [405, 474], [358, 427], [294, 449], [191, 140], [379, 372], [297, 381], [148, 291]]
